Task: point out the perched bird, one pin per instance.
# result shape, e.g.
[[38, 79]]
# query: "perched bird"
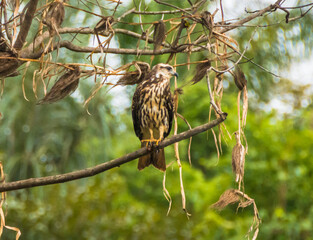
[[152, 112]]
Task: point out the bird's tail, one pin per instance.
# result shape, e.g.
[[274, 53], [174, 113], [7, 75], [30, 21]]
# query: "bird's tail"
[[156, 158]]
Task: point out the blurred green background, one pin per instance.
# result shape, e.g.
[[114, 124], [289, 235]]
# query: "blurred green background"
[[124, 203]]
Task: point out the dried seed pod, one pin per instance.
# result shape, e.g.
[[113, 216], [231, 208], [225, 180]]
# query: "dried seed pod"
[[104, 26], [8, 66], [228, 197], [239, 78], [201, 70], [238, 159], [54, 16], [135, 77], [159, 35], [207, 20], [64, 86]]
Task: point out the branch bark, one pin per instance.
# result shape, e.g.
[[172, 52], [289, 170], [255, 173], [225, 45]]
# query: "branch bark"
[[88, 172], [24, 29], [72, 47]]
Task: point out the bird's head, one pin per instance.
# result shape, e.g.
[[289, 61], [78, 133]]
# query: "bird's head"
[[165, 69]]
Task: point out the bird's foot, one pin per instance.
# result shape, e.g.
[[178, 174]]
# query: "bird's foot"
[[158, 141], [148, 141]]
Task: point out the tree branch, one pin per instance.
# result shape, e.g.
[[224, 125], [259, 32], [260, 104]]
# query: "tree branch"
[[252, 16], [70, 46], [24, 29], [88, 172]]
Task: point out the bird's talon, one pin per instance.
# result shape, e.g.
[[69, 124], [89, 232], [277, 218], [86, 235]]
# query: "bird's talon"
[[158, 141]]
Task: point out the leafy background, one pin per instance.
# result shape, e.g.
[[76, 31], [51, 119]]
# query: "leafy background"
[[126, 204]]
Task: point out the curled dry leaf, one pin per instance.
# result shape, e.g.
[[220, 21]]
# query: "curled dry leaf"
[[239, 78], [64, 86], [238, 159], [104, 26], [53, 16], [159, 35], [178, 91], [135, 77], [230, 196], [245, 106], [201, 71]]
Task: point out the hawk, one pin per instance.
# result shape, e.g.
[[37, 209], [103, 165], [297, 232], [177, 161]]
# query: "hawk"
[[152, 112]]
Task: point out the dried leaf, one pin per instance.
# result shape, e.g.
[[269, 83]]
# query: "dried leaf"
[[159, 35], [239, 78], [54, 16], [245, 106], [179, 91], [135, 77], [228, 197], [167, 194], [201, 71], [65, 85], [238, 159], [190, 139]]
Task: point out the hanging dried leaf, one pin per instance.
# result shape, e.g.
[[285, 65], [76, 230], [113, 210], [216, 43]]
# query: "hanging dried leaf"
[[54, 16], [104, 26], [239, 78], [201, 71], [159, 35], [238, 159], [135, 77], [230, 196], [245, 106], [66, 84]]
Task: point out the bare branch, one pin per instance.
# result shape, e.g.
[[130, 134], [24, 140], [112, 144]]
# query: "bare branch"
[[21, 38], [70, 46], [88, 172], [259, 13]]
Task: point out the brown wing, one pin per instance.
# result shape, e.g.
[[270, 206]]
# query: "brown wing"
[[170, 109], [136, 112]]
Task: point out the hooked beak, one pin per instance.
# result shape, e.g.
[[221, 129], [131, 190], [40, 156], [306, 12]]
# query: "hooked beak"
[[174, 73]]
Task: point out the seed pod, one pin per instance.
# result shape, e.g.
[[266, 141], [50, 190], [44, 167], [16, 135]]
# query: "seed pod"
[[238, 159], [201, 70], [8, 66], [159, 35], [239, 78], [54, 16], [64, 86], [135, 77]]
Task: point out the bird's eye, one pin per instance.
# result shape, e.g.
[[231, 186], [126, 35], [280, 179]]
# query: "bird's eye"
[[169, 68]]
